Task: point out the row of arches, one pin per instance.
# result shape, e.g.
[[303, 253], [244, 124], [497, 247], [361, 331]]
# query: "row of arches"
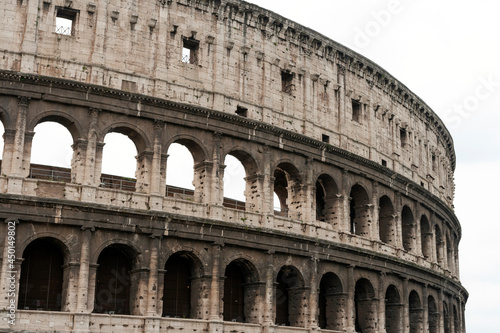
[[302, 189], [44, 280]]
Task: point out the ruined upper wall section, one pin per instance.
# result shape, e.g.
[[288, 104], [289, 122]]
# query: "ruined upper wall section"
[[235, 57]]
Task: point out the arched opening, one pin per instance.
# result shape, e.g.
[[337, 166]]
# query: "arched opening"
[[408, 229], [455, 254], [234, 294], [387, 221], [177, 286], [449, 254], [113, 280], [360, 214], [393, 310], [439, 244], [42, 276], [119, 163], [426, 236], [433, 315], [365, 307], [456, 320], [332, 302], [416, 313], [52, 163], [240, 292], [287, 189], [180, 172], [281, 191], [446, 318], [290, 297], [234, 183], [2, 132], [326, 199]]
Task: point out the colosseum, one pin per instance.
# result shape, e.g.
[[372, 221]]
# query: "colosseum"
[[347, 223]]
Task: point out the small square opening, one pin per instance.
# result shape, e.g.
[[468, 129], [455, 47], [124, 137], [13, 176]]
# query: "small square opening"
[[384, 163], [356, 111], [240, 111], [65, 21], [190, 50], [325, 138]]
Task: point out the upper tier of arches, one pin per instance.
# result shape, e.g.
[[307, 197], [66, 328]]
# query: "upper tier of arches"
[[237, 58]]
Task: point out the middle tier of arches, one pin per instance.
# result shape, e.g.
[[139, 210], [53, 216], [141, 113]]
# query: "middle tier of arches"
[[309, 190]]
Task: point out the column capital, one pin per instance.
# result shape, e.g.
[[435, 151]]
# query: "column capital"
[[94, 112], [87, 227], [23, 101], [158, 124]]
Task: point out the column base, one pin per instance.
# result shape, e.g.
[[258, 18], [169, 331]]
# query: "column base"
[[15, 184], [215, 327], [88, 193], [81, 323]]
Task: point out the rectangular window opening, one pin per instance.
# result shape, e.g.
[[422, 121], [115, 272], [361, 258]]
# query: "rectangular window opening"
[[433, 162], [356, 111], [325, 138], [240, 111], [287, 85], [190, 51], [65, 21], [384, 163], [404, 137]]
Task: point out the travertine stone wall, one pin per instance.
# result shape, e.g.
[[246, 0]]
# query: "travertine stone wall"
[[366, 239], [242, 55]]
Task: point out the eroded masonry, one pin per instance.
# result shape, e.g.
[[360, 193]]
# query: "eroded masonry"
[[365, 239]]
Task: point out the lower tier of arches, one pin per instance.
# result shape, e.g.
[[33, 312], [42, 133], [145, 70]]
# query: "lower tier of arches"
[[149, 275]]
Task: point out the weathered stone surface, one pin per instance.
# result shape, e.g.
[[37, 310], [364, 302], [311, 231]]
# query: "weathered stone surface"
[[366, 239]]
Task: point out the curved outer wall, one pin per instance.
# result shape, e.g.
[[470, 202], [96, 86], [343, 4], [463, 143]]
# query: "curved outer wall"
[[366, 240]]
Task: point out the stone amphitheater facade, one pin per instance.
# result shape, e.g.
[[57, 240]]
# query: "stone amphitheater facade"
[[366, 239]]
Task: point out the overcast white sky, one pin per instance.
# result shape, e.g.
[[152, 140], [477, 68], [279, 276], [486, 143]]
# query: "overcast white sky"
[[447, 52]]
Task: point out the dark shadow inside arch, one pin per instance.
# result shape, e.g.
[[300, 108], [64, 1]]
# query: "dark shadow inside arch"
[[446, 318], [289, 297], [433, 315], [439, 244], [286, 176], [387, 221], [408, 229], [456, 320], [365, 307], [393, 310], [113, 280], [426, 237], [239, 291], [332, 301], [2, 132], [449, 253], [360, 216], [42, 276], [416, 313], [326, 199], [180, 286]]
